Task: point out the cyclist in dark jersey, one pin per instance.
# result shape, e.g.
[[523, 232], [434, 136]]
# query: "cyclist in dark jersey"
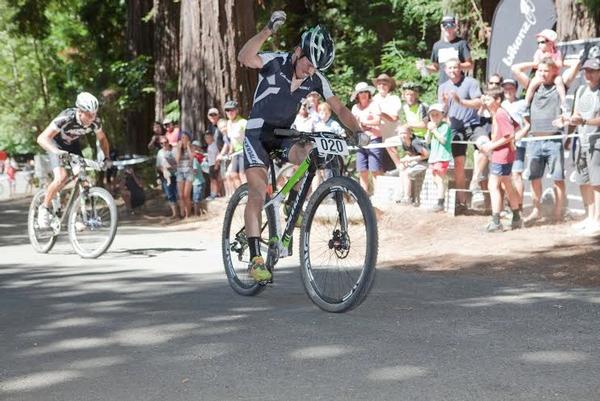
[[285, 79], [62, 136]]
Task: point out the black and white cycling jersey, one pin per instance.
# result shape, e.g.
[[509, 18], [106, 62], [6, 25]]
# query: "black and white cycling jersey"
[[275, 105], [70, 128]]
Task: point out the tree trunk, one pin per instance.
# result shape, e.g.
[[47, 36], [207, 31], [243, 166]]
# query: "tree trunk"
[[212, 33], [569, 11], [166, 54], [139, 42], [191, 86]]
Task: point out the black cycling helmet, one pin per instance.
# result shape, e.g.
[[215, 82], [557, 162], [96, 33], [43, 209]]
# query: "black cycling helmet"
[[317, 45]]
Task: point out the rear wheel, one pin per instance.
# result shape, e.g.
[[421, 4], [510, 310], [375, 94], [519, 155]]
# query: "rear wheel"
[[236, 253], [338, 245], [93, 223], [42, 239]]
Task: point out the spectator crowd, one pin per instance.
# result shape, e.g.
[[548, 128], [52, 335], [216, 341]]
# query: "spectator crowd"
[[514, 140]]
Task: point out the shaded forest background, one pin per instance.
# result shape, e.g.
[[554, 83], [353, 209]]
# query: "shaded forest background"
[[146, 59]]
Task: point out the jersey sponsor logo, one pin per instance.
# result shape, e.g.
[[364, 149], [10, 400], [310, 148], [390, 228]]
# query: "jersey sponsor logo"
[[284, 77], [251, 155], [267, 92]]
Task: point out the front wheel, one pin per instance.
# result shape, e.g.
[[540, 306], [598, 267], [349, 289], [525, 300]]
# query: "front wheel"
[[236, 254], [42, 239], [338, 245], [92, 223]]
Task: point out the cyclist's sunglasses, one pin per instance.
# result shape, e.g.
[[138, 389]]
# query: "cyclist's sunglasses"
[[448, 25]]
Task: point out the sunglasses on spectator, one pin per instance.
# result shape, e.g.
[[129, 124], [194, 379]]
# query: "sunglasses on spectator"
[[541, 42], [493, 83], [213, 114], [449, 25]]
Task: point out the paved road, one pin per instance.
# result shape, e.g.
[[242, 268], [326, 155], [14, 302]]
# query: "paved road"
[[154, 319]]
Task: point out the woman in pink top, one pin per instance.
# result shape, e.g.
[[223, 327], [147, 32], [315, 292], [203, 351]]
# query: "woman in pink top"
[[368, 115], [503, 152]]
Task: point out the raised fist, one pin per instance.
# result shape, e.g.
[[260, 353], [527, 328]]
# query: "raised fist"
[[277, 19]]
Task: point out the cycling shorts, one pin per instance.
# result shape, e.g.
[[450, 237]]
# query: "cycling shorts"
[[259, 143]]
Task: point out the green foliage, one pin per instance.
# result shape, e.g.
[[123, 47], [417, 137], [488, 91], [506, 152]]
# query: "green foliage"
[[171, 110], [371, 37], [133, 78], [51, 50]]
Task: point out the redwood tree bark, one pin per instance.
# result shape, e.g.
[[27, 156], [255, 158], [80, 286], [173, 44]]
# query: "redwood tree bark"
[[212, 32], [166, 54], [226, 26], [586, 25], [191, 86], [139, 36]]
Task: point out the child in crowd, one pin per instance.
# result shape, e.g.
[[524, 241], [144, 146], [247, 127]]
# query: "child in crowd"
[[413, 164], [166, 163], [304, 122], [503, 152], [212, 151], [439, 135], [546, 41], [414, 112], [199, 166], [326, 123]]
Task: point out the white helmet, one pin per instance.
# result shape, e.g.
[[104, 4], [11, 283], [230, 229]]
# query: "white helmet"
[[87, 102]]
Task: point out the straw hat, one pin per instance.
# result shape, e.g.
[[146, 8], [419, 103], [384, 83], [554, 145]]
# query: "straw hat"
[[385, 78]]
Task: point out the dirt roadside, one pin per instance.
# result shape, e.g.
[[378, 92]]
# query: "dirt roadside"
[[417, 240]]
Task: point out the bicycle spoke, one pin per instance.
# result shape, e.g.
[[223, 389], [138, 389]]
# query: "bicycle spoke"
[[92, 224], [338, 265]]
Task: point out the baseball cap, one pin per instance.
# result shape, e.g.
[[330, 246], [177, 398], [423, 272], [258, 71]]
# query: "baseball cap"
[[591, 64], [509, 81], [436, 107], [196, 143], [230, 104], [449, 20], [213, 110], [548, 34]]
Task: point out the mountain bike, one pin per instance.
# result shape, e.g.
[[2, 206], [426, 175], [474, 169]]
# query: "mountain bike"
[[338, 234], [91, 212]]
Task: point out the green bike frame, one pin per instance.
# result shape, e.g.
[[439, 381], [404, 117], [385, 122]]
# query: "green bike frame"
[[306, 170]]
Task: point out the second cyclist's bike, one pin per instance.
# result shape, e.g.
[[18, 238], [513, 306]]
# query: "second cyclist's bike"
[[338, 234], [89, 213]]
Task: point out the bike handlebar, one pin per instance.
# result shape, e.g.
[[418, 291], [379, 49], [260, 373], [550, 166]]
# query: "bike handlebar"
[[73, 158], [292, 133]]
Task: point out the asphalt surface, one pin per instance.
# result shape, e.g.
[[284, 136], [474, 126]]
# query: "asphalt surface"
[[154, 319]]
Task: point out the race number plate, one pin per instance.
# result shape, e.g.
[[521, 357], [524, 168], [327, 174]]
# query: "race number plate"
[[332, 146]]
